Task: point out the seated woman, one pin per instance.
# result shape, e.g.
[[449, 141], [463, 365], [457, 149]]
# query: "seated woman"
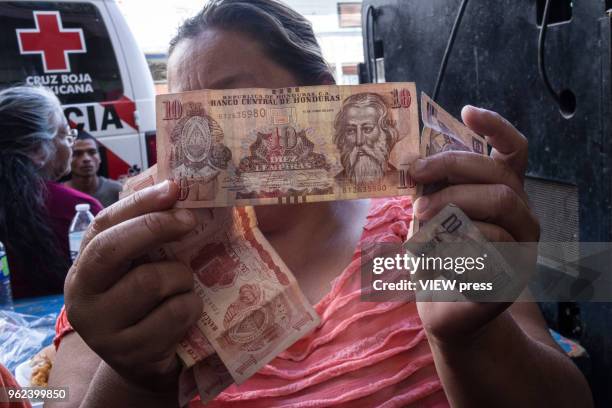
[[129, 319], [35, 210]]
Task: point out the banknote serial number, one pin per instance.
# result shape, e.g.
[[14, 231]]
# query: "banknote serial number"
[[364, 188], [33, 394], [319, 110], [245, 114]]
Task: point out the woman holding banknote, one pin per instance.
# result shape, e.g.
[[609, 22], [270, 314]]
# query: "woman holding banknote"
[[129, 315]]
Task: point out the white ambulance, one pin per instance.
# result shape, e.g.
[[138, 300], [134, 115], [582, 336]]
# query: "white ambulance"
[[84, 51]]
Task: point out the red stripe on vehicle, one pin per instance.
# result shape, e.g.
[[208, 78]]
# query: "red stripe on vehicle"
[[115, 165], [125, 108]]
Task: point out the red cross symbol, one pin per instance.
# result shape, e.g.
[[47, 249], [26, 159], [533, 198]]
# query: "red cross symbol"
[[52, 41]]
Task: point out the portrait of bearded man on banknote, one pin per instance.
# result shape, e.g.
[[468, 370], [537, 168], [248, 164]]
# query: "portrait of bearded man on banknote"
[[365, 136]]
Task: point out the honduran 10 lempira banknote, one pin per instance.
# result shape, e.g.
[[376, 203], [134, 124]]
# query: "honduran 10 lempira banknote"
[[443, 133], [290, 145]]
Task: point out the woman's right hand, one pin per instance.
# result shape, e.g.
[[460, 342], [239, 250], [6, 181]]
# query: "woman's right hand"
[[133, 317]]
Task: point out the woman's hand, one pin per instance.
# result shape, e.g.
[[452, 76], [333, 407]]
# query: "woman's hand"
[[134, 315], [490, 191]]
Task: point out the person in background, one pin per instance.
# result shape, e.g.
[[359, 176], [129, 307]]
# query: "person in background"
[[85, 165], [35, 210]]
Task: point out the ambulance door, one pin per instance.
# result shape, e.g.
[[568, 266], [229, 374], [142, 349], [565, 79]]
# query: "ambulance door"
[[141, 80], [68, 47]]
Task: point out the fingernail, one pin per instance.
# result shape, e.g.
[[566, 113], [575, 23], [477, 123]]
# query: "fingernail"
[[421, 204], [163, 187], [185, 216], [418, 166], [476, 108]]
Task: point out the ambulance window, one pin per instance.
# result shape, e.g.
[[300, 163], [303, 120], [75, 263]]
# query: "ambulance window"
[[64, 46]]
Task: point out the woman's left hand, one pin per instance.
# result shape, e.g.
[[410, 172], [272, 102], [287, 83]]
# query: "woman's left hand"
[[489, 189]]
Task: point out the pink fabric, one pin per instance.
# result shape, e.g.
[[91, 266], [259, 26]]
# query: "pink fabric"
[[362, 354]]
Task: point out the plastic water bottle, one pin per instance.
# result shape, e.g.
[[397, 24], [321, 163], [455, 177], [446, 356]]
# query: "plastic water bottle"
[[6, 296], [78, 226]]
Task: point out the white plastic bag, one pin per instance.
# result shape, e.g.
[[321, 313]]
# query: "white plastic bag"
[[22, 336]]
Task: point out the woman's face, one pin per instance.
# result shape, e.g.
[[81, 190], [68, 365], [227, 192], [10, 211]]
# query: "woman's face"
[[218, 59], [58, 163]]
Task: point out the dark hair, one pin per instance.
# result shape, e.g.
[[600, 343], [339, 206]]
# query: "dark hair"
[[29, 119], [285, 35], [82, 135]]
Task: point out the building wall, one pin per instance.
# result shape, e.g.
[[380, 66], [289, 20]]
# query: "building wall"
[[342, 47]]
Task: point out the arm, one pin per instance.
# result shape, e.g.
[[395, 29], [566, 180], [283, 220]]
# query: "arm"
[[74, 367], [490, 354], [118, 304], [109, 389], [512, 362], [92, 383]]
